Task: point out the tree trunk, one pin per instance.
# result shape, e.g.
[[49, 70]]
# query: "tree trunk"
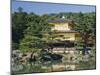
[[85, 41], [31, 58]]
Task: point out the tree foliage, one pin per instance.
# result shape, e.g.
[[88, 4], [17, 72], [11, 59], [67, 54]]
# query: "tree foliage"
[[18, 25], [86, 26], [33, 34]]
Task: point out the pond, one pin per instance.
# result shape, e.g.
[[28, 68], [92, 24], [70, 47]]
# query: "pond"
[[68, 63]]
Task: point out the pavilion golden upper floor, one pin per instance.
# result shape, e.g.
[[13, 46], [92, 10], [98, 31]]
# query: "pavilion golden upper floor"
[[62, 29]]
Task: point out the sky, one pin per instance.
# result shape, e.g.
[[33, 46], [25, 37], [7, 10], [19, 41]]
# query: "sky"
[[41, 8]]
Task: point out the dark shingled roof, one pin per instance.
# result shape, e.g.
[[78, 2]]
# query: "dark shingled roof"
[[59, 21]]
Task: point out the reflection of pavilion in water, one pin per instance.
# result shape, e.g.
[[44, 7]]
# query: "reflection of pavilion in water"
[[59, 66]]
